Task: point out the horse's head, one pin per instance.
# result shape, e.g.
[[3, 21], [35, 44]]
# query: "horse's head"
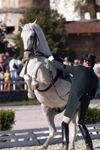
[[30, 38], [34, 39]]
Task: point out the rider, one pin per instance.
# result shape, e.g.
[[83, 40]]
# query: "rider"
[[83, 89]]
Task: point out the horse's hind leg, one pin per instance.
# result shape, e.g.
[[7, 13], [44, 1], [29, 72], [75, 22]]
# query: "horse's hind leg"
[[49, 114]]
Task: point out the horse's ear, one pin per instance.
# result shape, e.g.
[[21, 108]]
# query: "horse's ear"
[[34, 22], [21, 25]]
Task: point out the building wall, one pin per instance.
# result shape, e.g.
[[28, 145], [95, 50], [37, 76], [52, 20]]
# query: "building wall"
[[21, 3], [11, 11], [84, 43], [96, 40], [11, 19]]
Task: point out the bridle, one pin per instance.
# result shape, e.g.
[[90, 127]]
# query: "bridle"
[[34, 44]]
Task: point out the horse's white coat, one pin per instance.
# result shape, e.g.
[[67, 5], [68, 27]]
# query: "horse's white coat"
[[40, 74]]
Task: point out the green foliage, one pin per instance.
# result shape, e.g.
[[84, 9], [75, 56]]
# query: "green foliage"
[[52, 25], [4, 43], [93, 116], [20, 102], [6, 119]]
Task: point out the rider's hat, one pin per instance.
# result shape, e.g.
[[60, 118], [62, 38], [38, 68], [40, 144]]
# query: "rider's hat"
[[89, 57]]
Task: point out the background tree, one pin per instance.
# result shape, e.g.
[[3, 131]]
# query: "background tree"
[[53, 27], [3, 42]]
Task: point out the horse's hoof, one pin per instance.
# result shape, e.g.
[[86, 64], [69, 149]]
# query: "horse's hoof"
[[31, 96]]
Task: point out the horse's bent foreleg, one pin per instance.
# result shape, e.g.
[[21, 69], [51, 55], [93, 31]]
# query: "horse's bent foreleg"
[[28, 80], [49, 114], [35, 84], [40, 74]]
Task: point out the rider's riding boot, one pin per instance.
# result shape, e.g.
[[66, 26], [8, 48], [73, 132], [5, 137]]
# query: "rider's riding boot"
[[65, 136], [86, 136]]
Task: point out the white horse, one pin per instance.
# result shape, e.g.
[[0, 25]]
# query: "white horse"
[[51, 91]]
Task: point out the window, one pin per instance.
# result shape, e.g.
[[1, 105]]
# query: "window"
[[10, 30]]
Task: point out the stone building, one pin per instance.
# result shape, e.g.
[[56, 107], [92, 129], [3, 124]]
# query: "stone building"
[[11, 11], [84, 37]]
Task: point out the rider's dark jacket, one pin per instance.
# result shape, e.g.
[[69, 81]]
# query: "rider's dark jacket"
[[83, 88]]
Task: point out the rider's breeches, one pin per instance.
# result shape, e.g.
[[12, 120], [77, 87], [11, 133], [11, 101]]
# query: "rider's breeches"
[[77, 110]]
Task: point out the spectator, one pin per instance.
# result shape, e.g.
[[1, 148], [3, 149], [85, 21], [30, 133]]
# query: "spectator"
[[3, 56], [8, 55], [1, 67], [79, 62], [13, 66], [98, 72], [2, 75], [98, 75], [4, 61], [75, 62], [20, 65], [1, 59], [7, 79], [66, 62], [7, 62]]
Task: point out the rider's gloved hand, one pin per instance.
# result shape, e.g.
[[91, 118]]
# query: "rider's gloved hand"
[[50, 58]]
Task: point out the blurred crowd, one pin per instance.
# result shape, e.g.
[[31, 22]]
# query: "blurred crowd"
[[10, 69], [76, 62]]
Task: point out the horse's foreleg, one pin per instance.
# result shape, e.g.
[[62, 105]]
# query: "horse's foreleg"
[[49, 114], [40, 74], [28, 80], [35, 84]]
